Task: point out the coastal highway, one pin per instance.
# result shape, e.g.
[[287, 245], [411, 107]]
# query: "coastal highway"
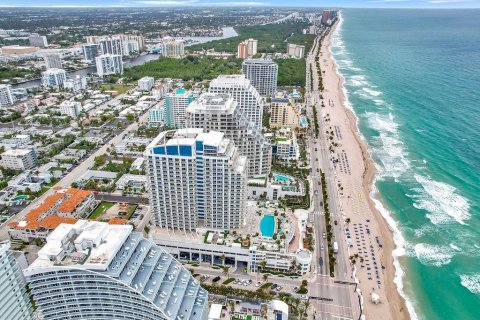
[[320, 160], [67, 180]]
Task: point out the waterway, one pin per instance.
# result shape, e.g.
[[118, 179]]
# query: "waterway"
[[228, 32], [92, 69]]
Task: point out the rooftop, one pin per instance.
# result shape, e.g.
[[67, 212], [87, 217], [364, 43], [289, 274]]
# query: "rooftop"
[[16, 152], [212, 102], [98, 241]]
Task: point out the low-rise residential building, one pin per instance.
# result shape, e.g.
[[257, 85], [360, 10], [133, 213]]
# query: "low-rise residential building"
[[63, 206], [285, 145], [70, 108], [135, 181], [19, 159], [26, 180], [70, 155], [132, 146]]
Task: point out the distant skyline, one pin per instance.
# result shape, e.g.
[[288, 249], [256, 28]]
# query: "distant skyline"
[[212, 3]]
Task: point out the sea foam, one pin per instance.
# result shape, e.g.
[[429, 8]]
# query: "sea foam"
[[471, 282], [433, 255], [441, 201], [400, 243]]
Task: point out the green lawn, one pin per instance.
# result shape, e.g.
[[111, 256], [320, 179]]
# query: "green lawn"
[[266, 285], [130, 210], [229, 280], [104, 206], [119, 88]]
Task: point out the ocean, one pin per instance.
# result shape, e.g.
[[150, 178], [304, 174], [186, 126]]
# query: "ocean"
[[412, 77]]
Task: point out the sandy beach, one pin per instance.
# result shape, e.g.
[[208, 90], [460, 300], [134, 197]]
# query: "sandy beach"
[[368, 237]]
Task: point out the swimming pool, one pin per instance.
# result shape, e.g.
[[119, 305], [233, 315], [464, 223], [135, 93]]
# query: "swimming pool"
[[303, 121], [20, 198], [280, 177], [267, 226]]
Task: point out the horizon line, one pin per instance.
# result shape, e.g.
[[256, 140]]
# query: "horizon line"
[[225, 6]]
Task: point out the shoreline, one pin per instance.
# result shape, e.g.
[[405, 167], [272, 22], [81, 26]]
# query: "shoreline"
[[397, 306]]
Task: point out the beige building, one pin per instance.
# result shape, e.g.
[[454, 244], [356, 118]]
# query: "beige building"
[[18, 49], [247, 48], [283, 111], [172, 48], [295, 51]]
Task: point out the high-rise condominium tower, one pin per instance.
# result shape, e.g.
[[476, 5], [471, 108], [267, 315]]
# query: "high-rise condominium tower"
[[94, 270], [262, 73], [196, 179], [219, 112], [14, 298], [249, 100], [175, 107], [108, 64]]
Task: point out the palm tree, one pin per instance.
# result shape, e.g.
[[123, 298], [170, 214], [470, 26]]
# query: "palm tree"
[[225, 271], [265, 277], [222, 257]]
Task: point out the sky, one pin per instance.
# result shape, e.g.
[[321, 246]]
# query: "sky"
[[200, 3]]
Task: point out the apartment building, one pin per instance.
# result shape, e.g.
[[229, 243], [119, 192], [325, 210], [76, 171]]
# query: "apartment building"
[[108, 64], [172, 48], [70, 108], [283, 111], [14, 298], [63, 206], [37, 40], [219, 112], [146, 83], [19, 159], [262, 73], [196, 179], [54, 78], [90, 51], [176, 103], [244, 93]]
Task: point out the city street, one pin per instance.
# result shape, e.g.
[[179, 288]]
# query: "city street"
[[66, 181], [342, 295]]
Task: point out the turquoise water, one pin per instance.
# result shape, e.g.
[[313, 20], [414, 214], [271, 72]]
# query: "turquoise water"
[[20, 198], [413, 79], [267, 226], [280, 177], [303, 121]]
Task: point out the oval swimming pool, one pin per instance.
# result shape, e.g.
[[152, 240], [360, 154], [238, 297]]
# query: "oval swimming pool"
[[267, 226]]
